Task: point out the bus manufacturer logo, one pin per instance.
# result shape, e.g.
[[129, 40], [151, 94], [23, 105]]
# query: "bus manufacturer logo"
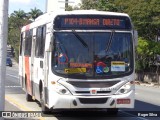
[[93, 91]]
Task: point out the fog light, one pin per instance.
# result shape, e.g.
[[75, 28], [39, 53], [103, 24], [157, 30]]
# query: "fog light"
[[122, 90], [63, 91], [74, 103], [53, 82]]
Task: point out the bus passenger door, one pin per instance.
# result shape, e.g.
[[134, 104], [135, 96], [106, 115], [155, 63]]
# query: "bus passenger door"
[[47, 37], [21, 62], [32, 65]]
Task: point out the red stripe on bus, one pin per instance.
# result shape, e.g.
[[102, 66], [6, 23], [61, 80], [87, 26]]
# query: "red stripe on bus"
[[27, 71], [27, 27]]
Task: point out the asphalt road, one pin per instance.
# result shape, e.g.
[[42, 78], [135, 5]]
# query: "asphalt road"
[[12, 85], [147, 103]]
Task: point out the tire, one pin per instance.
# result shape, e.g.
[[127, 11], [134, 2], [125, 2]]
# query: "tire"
[[28, 97], [112, 111], [45, 110]]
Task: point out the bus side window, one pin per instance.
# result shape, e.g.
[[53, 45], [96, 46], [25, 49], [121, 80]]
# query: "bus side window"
[[40, 41], [28, 42], [21, 44]]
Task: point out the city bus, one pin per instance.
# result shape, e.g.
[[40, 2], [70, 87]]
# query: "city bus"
[[82, 59]]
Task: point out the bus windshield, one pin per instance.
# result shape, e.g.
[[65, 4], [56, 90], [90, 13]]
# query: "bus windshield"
[[92, 54]]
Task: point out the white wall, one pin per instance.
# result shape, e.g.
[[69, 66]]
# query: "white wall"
[[55, 5]]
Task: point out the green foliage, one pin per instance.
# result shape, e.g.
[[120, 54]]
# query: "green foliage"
[[16, 20], [102, 5], [146, 52], [19, 14], [106, 5], [89, 4], [34, 13], [145, 15], [69, 8]]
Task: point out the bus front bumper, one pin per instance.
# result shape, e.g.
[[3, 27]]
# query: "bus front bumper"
[[57, 101]]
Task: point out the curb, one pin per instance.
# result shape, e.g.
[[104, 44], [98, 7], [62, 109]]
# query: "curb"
[[21, 107], [147, 84]]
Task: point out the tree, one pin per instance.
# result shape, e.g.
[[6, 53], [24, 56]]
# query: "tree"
[[34, 13], [88, 4], [106, 5], [16, 20], [146, 52], [102, 5], [19, 14], [69, 8], [144, 14]]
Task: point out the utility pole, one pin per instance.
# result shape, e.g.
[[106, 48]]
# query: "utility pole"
[[46, 6], [3, 49], [66, 5]]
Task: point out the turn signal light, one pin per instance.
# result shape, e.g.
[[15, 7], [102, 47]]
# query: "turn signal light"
[[132, 82], [53, 82]]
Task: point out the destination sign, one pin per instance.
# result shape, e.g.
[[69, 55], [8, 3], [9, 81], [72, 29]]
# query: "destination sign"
[[91, 22]]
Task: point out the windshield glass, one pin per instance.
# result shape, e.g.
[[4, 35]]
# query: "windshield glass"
[[95, 55]]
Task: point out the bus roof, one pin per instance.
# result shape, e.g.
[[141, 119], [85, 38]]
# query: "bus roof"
[[84, 12], [48, 17]]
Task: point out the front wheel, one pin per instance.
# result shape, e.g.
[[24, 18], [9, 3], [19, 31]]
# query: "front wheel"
[[44, 109], [28, 97]]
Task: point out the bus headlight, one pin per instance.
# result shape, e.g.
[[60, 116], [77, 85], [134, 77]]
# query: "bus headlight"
[[126, 88], [62, 90]]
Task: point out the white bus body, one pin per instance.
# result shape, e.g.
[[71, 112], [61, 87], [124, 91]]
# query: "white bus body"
[[84, 85]]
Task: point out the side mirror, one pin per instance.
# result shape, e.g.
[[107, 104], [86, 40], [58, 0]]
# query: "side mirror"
[[135, 34]]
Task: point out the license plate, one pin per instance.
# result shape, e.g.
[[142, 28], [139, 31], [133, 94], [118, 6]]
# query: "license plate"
[[123, 101]]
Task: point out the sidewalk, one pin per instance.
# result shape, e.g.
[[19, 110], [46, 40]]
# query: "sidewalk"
[[18, 108], [147, 84], [10, 107], [14, 62]]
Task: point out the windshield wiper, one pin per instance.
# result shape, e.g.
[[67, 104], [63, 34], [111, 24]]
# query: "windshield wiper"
[[110, 41], [80, 39]]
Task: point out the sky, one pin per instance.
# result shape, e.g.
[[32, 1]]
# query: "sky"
[[27, 5]]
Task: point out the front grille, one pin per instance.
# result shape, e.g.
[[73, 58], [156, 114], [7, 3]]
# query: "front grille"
[[81, 92], [87, 92], [103, 91], [93, 100], [89, 84]]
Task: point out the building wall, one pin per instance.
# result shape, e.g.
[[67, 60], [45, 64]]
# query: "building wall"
[[148, 77], [56, 5]]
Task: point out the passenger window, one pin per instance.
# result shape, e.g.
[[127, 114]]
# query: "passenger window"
[[28, 42], [40, 41]]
